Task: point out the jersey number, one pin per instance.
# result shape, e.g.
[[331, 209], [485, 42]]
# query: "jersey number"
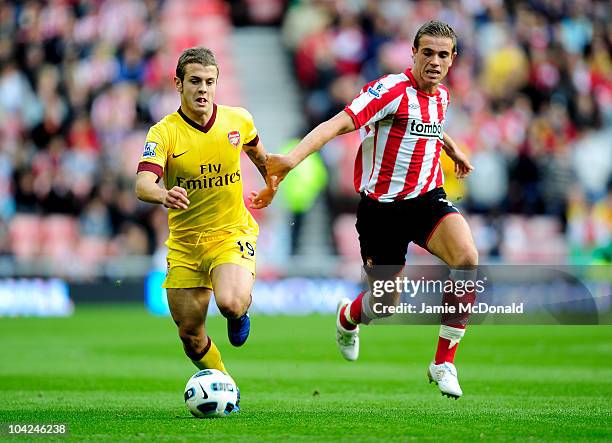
[[250, 248]]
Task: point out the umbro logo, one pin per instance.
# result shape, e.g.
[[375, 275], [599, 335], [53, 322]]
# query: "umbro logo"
[[414, 106], [177, 156]]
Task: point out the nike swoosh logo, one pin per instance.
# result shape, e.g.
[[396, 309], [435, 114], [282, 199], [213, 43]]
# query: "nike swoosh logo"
[[205, 394], [177, 156]]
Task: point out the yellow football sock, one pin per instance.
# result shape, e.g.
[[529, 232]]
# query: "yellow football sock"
[[211, 359]]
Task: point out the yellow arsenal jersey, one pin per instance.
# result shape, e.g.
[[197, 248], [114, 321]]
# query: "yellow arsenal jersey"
[[204, 160]]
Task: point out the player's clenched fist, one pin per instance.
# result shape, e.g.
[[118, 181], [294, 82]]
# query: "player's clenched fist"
[[176, 198], [278, 166]]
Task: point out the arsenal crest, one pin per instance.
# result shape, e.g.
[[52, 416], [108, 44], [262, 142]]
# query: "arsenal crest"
[[234, 138]]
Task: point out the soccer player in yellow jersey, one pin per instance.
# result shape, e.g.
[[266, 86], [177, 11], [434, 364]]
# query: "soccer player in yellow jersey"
[[213, 237]]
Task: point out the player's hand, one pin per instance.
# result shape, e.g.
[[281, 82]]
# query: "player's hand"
[[176, 198], [463, 167], [262, 198], [278, 166]]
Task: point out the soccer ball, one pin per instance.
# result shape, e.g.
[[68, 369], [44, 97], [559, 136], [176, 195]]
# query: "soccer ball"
[[211, 393]]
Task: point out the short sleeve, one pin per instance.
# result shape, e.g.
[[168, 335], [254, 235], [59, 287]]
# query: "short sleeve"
[[155, 151], [375, 101], [250, 132]]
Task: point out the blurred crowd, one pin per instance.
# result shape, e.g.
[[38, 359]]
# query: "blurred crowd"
[[82, 80], [531, 103]]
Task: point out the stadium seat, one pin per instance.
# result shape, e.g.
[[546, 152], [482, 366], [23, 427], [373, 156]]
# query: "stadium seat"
[[91, 252], [532, 239], [345, 236], [92, 249], [59, 236], [25, 235]]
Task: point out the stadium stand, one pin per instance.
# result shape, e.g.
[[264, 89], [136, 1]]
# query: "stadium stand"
[[81, 81], [532, 104]]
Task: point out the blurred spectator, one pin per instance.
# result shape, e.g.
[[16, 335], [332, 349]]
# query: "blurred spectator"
[[531, 101], [489, 187], [304, 19], [71, 76], [301, 190], [95, 220], [531, 92], [589, 228]]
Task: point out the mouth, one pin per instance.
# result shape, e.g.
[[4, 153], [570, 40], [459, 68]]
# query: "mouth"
[[201, 101], [432, 72]]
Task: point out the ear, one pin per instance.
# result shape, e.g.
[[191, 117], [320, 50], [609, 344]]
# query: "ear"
[[414, 51], [453, 55], [178, 85]]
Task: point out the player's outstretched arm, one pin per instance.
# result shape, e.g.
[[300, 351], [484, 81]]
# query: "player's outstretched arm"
[[257, 154], [463, 167], [264, 196], [279, 165], [149, 191]]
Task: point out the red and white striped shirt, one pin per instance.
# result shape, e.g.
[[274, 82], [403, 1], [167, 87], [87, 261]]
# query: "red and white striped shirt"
[[401, 137]]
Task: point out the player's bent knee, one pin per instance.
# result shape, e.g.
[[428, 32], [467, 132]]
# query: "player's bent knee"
[[233, 307], [467, 258]]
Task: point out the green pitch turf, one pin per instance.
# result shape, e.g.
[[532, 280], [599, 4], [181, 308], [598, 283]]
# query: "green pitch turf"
[[117, 374]]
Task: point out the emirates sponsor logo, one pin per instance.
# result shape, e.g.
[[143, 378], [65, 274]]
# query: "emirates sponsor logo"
[[208, 182], [428, 130], [210, 177]]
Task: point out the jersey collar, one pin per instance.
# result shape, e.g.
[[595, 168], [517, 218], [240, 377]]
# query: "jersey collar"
[[415, 85], [209, 123]]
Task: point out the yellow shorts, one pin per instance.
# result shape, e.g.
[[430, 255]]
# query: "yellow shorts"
[[191, 263]]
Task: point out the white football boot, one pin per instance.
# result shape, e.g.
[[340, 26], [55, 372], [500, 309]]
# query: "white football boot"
[[348, 341], [445, 376]]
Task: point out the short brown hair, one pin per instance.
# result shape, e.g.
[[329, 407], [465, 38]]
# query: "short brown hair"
[[199, 55], [436, 28]]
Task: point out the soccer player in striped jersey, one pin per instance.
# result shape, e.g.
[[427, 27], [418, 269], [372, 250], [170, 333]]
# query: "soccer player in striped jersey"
[[212, 241], [400, 118]]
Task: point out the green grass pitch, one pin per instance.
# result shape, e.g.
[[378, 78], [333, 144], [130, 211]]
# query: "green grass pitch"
[[115, 373]]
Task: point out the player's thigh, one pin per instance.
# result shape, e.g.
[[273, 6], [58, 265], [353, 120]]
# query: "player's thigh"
[[383, 238], [185, 268], [188, 307], [232, 284], [452, 242]]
